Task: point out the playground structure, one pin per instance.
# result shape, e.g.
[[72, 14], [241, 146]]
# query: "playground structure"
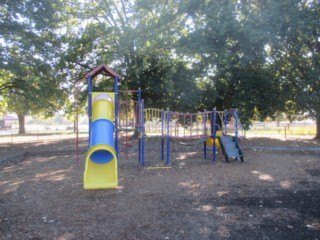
[[101, 169], [195, 129], [121, 115]]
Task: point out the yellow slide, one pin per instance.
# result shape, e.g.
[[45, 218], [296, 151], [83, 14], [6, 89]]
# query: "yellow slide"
[[210, 140], [101, 170]]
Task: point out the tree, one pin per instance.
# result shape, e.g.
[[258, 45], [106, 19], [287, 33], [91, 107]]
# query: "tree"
[[262, 55], [229, 48], [19, 105], [295, 56], [28, 56], [41, 95], [258, 56], [137, 39]]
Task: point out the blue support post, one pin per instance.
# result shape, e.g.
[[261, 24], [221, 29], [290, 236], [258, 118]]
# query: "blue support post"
[[205, 123], [142, 133], [205, 134], [168, 137], [90, 104], [139, 124], [139, 147], [162, 134]]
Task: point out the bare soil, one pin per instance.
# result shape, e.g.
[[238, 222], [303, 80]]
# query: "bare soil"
[[274, 194]]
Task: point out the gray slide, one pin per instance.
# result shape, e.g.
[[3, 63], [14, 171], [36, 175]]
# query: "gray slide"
[[230, 148]]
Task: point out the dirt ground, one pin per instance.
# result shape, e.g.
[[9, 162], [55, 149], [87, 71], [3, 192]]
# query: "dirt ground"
[[274, 194]]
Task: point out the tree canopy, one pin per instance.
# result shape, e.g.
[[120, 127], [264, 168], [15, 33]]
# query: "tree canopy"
[[29, 54], [260, 56]]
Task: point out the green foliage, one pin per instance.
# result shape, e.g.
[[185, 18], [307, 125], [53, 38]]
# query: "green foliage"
[[136, 39], [260, 56], [3, 106], [263, 55], [28, 82]]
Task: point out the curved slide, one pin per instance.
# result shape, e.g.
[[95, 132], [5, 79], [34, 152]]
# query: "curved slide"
[[101, 162]]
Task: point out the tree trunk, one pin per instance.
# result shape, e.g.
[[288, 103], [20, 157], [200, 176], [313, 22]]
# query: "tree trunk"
[[318, 127], [21, 124]]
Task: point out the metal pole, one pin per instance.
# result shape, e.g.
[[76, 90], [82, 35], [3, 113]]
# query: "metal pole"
[[236, 125], [139, 101], [139, 123], [116, 96], [205, 123], [142, 132], [139, 147], [162, 134], [213, 135], [205, 134], [285, 132], [139, 95], [89, 105], [168, 137], [225, 121], [77, 122], [191, 125]]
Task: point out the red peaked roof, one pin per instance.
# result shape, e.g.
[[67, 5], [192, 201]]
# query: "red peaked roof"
[[103, 68]]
